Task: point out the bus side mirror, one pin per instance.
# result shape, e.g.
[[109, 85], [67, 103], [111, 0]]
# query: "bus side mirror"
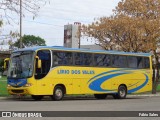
[[6, 61], [39, 62]]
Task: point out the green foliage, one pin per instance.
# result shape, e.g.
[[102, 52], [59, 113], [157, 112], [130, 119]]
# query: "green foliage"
[[30, 40], [1, 64], [3, 87]]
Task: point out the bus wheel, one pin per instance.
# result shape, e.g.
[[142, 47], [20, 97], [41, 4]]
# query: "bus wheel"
[[58, 93], [37, 97], [122, 92], [100, 96]]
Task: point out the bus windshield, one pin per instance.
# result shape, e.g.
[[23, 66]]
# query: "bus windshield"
[[21, 64]]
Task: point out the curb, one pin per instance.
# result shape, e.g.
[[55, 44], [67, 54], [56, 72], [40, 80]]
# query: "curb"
[[149, 95]]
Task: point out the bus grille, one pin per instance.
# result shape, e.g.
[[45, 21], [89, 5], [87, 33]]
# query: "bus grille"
[[17, 91]]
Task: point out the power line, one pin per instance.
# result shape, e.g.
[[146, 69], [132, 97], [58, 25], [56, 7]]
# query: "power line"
[[85, 21], [51, 23], [43, 23]]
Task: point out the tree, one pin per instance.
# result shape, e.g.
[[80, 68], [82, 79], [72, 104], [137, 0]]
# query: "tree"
[[30, 40], [134, 26], [1, 64], [118, 32], [11, 8]]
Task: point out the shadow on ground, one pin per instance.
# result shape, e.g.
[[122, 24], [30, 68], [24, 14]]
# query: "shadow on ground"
[[67, 98]]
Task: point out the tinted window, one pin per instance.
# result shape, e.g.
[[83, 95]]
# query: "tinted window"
[[102, 60], [62, 58], [146, 63], [107, 60], [98, 59], [78, 58], [132, 62], [139, 62], [87, 59], [119, 61]]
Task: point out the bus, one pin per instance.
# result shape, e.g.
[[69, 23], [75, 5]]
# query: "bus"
[[58, 71]]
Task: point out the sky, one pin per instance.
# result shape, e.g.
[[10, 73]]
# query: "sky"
[[49, 24]]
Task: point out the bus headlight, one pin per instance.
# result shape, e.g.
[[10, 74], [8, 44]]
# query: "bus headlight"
[[8, 85], [28, 85]]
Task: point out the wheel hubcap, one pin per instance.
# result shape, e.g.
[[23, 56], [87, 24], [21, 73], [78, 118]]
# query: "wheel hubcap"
[[122, 93], [58, 93]]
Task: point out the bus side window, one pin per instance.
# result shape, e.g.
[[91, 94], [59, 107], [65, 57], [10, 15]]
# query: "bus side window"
[[68, 58], [55, 60], [146, 62], [87, 59], [99, 59], [107, 60], [132, 62], [119, 61], [78, 58], [62, 58], [139, 62], [115, 61]]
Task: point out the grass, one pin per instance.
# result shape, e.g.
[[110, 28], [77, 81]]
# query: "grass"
[[158, 87], [3, 86], [3, 78]]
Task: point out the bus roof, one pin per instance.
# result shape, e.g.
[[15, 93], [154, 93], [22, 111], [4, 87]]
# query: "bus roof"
[[84, 50]]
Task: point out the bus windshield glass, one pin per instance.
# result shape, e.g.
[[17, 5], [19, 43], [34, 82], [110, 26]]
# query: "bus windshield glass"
[[21, 64]]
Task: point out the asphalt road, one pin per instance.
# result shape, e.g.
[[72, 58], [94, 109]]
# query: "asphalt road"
[[131, 103]]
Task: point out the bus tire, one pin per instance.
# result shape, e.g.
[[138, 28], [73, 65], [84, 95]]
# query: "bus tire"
[[58, 93], [122, 92], [37, 97], [100, 96]]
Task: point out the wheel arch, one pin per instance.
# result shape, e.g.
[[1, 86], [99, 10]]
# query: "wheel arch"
[[61, 85]]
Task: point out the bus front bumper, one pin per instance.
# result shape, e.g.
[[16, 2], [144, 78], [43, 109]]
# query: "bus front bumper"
[[18, 91]]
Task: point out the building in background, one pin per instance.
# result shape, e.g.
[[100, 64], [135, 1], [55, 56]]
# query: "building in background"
[[92, 47], [71, 36]]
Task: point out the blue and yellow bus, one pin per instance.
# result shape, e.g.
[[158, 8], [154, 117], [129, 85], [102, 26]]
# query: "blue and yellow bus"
[[58, 71]]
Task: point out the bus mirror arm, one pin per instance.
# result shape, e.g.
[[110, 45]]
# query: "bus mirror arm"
[[39, 64], [4, 66], [5, 63]]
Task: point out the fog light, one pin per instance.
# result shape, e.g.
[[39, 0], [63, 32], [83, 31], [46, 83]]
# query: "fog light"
[[28, 85]]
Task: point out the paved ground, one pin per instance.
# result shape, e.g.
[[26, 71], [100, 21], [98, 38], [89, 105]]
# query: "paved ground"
[[132, 103]]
